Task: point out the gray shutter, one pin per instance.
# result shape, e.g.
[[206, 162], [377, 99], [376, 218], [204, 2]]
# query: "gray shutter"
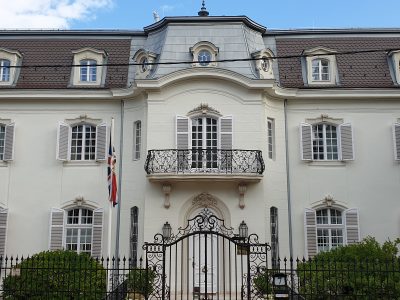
[[3, 230], [346, 141], [310, 230], [396, 140], [63, 141], [352, 226], [97, 233], [9, 142], [305, 141], [226, 132], [182, 132], [56, 239], [101, 142]]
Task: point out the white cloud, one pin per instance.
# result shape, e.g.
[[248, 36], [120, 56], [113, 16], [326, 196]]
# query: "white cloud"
[[166, 8], [47, 13]]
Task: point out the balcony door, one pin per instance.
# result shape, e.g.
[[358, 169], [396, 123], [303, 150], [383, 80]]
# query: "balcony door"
[[204, 143]]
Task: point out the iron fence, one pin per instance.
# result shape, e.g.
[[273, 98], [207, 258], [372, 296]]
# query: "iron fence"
[[40, 277]]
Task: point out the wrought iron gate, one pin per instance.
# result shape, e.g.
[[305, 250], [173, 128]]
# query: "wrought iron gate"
[[206, 260]]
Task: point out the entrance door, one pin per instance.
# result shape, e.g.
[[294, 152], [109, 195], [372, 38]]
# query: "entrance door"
[[204, 262]]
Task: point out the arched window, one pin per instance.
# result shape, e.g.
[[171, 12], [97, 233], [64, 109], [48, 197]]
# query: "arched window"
[[325, 142], [78, 230], [83, 142], [330, 229], [320, 70], [88, 70], [4, 70], [204, 57]]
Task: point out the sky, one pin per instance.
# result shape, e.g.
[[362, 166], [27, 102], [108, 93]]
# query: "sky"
[[135, 14]]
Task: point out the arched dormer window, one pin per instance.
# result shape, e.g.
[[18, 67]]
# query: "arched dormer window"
[[263, 62], [145, 60], [89, 67], [320, 67], [330, 225], [8, 60], [204, 54]]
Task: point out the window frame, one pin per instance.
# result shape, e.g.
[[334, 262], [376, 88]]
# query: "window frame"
[[137, 139], [90, 67], [274, 231], [3, 68], [329, 227], [83, 140], [2, 140], [324, 140], [320, 68], [271, 138], [79, 227], [320, 54]]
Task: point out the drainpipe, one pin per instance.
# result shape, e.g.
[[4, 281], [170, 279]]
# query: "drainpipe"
[[121, 145], [288, 183]]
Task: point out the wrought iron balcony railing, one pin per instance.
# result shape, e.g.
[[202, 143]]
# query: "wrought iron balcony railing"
[[200, 161]]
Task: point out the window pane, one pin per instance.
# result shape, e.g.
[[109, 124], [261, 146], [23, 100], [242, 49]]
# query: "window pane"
[[323, 239], [322, 216]]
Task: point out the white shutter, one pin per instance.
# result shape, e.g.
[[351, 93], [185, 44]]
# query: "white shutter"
[[56, 238], [346, 141], [226, 132], [352, 226], [9, 142], [182, 132], [310, 231], [101, 142], [63, 141], [305, 141], [97, 233], [396, 140], [3, 230]]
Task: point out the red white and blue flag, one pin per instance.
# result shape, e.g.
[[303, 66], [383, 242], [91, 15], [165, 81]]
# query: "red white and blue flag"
[[112, 178]]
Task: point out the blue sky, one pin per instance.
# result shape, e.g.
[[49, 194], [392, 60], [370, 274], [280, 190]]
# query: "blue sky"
[[135, 14]]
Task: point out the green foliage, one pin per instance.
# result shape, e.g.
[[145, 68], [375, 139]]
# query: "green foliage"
[[56, 275], [363, 271], [263, 282], [141, 281]]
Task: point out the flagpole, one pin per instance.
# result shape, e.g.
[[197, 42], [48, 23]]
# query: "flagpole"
[[109, 238], [121, 151]]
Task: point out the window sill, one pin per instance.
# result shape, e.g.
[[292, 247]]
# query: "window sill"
[[82, 163], [3, 163], [327, 163]]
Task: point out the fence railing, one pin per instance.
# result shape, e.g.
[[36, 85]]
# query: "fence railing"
[[41, 277]]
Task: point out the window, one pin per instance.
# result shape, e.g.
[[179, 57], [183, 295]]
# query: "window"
[[137, 127], [7, 141], [326, 140], [89, 67], [134, 236], [79, 230], [82, 141], [145, 60], [4, 70], [320, 70], [88, 70], [271, 138], [204, 54], [2, 141], [204, 142], [329, 227], [319, 66], [274, 236], [263, 63]]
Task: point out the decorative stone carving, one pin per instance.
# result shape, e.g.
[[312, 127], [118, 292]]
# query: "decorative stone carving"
[[204, 109], [328, 200], [79, 200], [204, 200]]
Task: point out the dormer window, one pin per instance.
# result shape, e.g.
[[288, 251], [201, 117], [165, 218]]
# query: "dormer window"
[[263, 63], [320, 70], [4, 70], [320, 67], [394, 63], [9, 59], [204, 54], [89, 69], [144, 60]]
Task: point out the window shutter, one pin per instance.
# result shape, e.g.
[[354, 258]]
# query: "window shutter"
[[305, 141], [56, 239], [182, 132], [226, 132], [97, 232], [3, 231], [346, 141], [9, 142], [310, 230], [63, 141], [396, 140], [352, 226], [101, 142]]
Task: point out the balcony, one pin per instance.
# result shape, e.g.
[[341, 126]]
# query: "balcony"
[[204, 165]]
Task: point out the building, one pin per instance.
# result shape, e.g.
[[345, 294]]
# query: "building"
[[294, 132]]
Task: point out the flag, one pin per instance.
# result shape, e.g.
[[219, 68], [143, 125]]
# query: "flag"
[[112, 178]]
